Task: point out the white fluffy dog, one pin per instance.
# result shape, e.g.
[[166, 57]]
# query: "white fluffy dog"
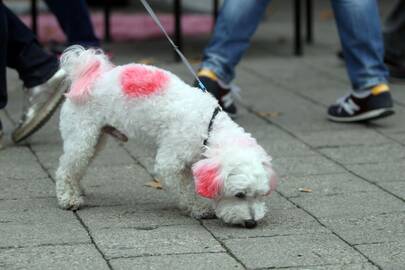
[[194, 139]]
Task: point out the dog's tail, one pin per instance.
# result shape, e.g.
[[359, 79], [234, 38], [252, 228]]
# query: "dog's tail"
[[83, 67]]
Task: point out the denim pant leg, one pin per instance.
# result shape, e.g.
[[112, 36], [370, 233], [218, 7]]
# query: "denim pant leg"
[[236, 23], [3, 57], [359, 28], [394, 32], [74, 19]]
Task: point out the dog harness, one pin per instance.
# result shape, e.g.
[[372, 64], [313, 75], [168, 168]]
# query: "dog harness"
[[214, 114]]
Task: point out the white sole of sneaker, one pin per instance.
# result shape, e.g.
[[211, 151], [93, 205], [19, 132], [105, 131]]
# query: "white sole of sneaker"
[[43, 115], [371, 115]]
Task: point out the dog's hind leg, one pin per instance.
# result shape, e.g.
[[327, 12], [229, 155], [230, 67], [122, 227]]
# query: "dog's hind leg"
[[79, 146]]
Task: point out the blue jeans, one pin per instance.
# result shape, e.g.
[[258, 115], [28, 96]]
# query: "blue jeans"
[[358, 23]]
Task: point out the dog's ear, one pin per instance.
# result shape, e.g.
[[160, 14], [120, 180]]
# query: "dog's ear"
[[207, 178], [81, 87], [272, 177]]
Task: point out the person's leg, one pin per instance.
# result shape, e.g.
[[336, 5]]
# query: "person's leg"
[[39, 72], [359, 29], [24, 54], [3, 57], [394, 31], [74, 19], [394, 40], [3, 62], [236, 24]]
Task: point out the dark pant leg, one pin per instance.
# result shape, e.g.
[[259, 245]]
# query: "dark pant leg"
[[394, 32], [24, 54], [3, 59], [74, 19]]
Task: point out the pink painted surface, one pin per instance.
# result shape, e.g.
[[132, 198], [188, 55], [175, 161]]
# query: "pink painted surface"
[[206, 177], [126, 26], [141, 81], [82, 86]]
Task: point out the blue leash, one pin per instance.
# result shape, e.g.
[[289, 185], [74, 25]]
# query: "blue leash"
[[182, 57]]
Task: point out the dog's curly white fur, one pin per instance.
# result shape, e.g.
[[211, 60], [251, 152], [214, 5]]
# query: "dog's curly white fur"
[[232, 174]]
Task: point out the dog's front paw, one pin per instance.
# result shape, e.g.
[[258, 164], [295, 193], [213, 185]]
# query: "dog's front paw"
[[69, 201]]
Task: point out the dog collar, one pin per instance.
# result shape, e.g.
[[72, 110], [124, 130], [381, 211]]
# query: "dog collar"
[[214, 114]]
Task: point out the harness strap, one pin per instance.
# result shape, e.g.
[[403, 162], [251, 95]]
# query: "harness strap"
[[214, 114]]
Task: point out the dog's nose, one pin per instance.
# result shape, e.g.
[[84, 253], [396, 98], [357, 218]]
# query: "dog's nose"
[[250, 224]]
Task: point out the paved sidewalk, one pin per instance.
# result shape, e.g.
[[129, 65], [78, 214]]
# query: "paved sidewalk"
[[353, 218]]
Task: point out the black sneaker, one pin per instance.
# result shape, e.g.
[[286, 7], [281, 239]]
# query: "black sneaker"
[[377, 104], [221, 93]]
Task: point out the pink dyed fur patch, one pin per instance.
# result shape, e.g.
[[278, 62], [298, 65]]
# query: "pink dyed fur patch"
[[81, 87], [206, 178], [272, 181], [141, 81]]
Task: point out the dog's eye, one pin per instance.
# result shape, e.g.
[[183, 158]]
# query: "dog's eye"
[[240, 195]]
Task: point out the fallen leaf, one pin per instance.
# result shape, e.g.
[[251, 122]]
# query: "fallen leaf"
[[268, 114], [155, 183], [307, 190]]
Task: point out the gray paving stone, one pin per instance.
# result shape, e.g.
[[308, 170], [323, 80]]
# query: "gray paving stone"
[[296, 114], [398, 136], [368, 229], [363, 266], [293, 251], [13, 188], [276, 142], [277, 222], [25, 235], [392, 124], [38, 222], [125, 242], [258, 127], [69, 257], [302, 166], [33, 210], [389, 256], [19, 163], [380, 172], [49, 156], [331, 138], [397, 91], [121, 185], [350, 204], [324, 184], [276, 202], [143, 152], [136, 216], [397, 188], [366, 154], [201, 261]]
